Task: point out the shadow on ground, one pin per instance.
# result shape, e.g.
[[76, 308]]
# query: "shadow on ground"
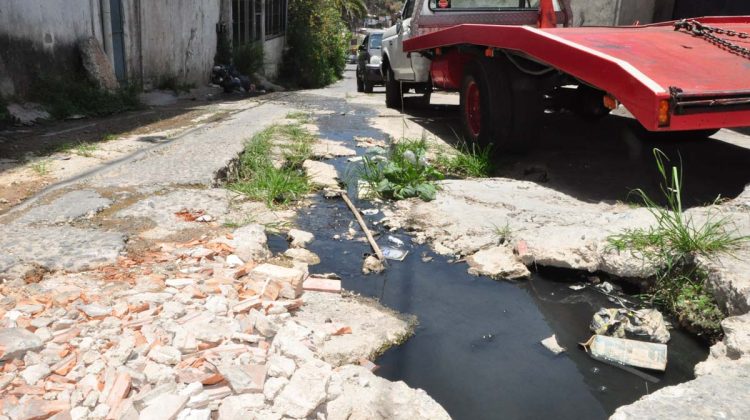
[[605, 160]]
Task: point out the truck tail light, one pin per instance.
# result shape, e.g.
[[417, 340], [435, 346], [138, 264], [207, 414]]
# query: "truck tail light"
[[664, 113], [610, 102]]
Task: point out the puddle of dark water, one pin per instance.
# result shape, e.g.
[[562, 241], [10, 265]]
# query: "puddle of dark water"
[[477, 348]]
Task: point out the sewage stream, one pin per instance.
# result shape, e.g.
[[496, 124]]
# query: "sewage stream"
[[477, 347]]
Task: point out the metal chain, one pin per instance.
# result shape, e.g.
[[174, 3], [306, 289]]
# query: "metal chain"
[[707, 32]]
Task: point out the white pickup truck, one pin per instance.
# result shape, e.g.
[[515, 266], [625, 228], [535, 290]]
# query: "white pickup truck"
[[404, 71]]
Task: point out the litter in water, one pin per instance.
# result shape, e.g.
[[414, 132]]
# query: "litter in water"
[[395, 241], [623, 352], [394, 254], [552, 345]]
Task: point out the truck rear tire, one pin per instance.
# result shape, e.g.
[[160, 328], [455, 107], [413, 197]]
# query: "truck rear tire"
[[393, 92], [478, 103], [510, 105]]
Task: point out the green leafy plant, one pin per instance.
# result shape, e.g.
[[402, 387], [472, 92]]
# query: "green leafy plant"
[[248, 58], [404, 173], [466, 161], [317, 44], [672, 245]]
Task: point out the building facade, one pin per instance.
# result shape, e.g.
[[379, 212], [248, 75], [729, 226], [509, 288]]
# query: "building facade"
[[146, 40]]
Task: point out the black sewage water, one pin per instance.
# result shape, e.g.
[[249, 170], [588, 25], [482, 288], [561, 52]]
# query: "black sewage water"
[[477, 349]]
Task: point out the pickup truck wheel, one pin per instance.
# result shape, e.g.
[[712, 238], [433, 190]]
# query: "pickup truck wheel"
[[360, 84], [477, 104], [393, 93]]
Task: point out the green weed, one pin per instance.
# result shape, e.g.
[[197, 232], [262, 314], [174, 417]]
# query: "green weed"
[[504, 234], [41, 167], [249, 59], [257, 176], [467, 161], [85, 149], [672, 245], [404, 172]]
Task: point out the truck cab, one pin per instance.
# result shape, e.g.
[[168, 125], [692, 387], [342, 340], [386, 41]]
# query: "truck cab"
[[404, 71]]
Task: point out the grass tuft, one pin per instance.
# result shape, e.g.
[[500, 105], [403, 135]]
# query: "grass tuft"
[[85, 149], [277, 185], [467, 162], [672, 245], [41, 167]]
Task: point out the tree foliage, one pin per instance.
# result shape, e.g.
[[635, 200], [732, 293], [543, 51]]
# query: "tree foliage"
[[351, 9], [317, 43]]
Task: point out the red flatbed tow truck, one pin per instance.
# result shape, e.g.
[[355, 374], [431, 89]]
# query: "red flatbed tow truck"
[[688, 76]]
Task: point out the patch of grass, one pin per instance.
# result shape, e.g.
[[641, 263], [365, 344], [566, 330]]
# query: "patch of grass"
[[41, 167], [256, 175], [110, 137], [467, 161], [85, 149], [404, 172], [301, 117], [297, 144], [64, 96], [672, 245]]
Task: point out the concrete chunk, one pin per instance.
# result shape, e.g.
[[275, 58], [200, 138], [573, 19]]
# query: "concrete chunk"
[[165, 407], [15, 342], [280, 275]]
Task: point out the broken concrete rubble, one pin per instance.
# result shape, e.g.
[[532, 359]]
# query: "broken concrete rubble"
[[177, 335], [497, 262], [299, 238]]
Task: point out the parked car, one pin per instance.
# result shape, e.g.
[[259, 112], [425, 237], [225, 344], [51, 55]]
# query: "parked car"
[[368, 62]]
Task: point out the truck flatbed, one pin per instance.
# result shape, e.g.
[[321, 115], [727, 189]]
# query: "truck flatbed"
[[646, 68]]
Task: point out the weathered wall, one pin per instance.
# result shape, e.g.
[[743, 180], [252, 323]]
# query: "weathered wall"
[[178, 39], [38, 37], [273, 49], [612, 12]]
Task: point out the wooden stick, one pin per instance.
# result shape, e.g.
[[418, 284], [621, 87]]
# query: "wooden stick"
[[363, 225]]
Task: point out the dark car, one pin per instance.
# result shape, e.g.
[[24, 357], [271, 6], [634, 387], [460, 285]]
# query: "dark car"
[[368, 62]]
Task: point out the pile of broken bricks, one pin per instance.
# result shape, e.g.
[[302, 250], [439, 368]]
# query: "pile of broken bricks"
[[188, 331]]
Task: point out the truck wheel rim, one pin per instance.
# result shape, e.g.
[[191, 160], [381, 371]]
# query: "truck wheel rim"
[[473, 111]]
